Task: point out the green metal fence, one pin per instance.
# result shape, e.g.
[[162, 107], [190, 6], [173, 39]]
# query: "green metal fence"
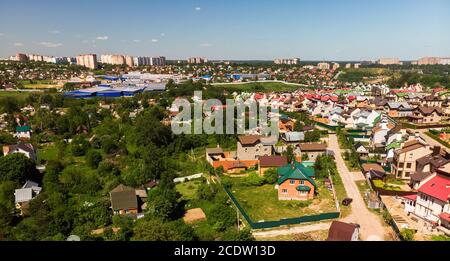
[[281, 222]]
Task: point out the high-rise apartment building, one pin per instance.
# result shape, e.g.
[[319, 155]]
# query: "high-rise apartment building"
[[197, 60], [292, 61], [389, 61], [87, 60], [21, 57], [323, 66], [429, 61], [129, 61]]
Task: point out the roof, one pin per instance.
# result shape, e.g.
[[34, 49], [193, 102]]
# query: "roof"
[[23, 128], [409, 146], [214, 151], [340, 231], [249, 139], [312, 147], [303, 188], [372, 166], [437, 187], [296, 171], [23, 195], [424, 110], [28, 147], [445, 216], [123, 197], [419, 176], [294, 136], [412, 197], [272, 161], [377, 174], [399, 105]]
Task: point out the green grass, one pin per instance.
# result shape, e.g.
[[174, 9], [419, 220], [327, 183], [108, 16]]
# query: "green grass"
[[341, 194], [48, 153], [261, 203], [188, 189], [13, 94], [440, 238], [259, 86], [382, 185]]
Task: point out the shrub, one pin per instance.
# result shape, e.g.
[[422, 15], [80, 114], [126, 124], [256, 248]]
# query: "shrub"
[[93, 158], [407, 234], [253, 180]]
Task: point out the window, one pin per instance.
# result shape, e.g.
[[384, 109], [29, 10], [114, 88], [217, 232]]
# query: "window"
[[302, 182], [408, 165], [284, 191], [407, 174], [401, 165], [292, 182]]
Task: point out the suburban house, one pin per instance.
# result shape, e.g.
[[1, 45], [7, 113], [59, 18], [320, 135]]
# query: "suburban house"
[[268, 162], [398, 109], [433, 199], [295, 182], [379, 133], [362, 151], [423, 114], [404, 162], [312, 150], [285, 124], [427, 165], [251, 147], [124, 200], [214, 154], [373, 171], [23, 132], [26, 149], [25, 194], [365, 119], [432, 101], [340, 231]]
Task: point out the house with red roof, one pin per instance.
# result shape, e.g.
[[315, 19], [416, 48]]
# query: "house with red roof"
[[433, 200]]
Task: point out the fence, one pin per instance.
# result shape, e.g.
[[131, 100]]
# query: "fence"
[[281, 222]]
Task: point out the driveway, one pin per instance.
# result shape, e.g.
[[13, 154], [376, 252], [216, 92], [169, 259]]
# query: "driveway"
[[293, 230], [372, 228]]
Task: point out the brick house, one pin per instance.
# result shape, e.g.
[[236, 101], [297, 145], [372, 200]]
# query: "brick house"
[[124, 200], [423, 114], [296, 182]]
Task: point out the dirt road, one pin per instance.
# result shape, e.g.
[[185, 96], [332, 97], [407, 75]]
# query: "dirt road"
[[372, 228]]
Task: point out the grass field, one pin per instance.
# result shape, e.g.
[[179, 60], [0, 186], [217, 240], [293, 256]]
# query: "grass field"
[[17, 95], [188, 189], [259, 87], [261, 203]]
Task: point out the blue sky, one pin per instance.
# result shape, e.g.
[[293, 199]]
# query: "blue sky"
[[228, 29]]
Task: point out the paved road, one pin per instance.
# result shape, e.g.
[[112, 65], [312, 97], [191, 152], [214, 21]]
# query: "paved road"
[[293, 230], [371, 225]]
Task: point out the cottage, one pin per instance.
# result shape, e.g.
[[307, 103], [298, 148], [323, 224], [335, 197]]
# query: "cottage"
[[340, 231], [293, 137], [267, 162], [433, 199], [426, 115], [398, 109], [25, 194], [373, 171], [404, 163], [26, 149], [361, 150], [124, 200], [23, 132], [214, 154], [312, 150], [295, 182]]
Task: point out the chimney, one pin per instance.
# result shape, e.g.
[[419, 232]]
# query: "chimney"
[[436, 150]]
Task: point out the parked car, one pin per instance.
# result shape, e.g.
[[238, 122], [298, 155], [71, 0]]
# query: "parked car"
[[347, 201]]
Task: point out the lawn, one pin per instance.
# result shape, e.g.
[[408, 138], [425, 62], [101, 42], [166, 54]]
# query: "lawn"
[[18, 95], [259, 86], [47, 153], [382, 185], [341, 194], [188, 189], [261, 203]]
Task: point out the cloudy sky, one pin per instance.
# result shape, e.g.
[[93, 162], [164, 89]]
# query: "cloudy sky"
[[228, 29]]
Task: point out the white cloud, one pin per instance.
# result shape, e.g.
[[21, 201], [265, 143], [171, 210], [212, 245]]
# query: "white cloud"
[[102, 38], [137, 41], [18, 44], [154, 40], [2, 34], [50, 44], [198, 8], [205, 45], [163, 34], [54, 32]]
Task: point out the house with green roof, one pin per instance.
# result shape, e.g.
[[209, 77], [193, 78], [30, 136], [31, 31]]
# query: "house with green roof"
[[23, 132], [296, 182]]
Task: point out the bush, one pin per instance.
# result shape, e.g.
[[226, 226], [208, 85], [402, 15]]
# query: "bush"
[[254, 180], [79, 146], [407, 234], [271, 176], [93, 158]]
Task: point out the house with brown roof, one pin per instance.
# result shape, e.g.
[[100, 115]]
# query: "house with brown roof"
[[26, 149], [214, 154], [340, 231], [432, 101], [424, 114], [373, 171], [268, 162], [404, 162], [251, 147], [124, 200], [312, 150], [427, 165]]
